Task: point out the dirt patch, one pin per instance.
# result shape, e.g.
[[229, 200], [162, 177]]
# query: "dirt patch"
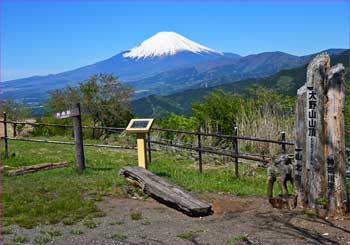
[[226, 205], [235, 220]]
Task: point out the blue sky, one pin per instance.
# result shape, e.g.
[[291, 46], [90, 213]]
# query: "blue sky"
[[43, 37]]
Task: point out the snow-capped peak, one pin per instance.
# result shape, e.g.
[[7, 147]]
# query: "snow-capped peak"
[[166, 43]]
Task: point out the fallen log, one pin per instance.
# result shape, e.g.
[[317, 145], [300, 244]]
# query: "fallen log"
[[165, 192], [35, 168]]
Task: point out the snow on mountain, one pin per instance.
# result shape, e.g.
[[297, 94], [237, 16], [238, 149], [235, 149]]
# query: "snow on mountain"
[[166, 43]]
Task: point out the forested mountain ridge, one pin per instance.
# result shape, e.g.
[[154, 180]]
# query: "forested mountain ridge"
[[285, 81]]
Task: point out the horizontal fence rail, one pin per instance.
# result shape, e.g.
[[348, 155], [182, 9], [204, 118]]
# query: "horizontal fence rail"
[[61, 125], [71, 143], [199, 148], [254, 158], [226, 136]]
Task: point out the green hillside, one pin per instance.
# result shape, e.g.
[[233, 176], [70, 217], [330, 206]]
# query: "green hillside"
[[285, 81]]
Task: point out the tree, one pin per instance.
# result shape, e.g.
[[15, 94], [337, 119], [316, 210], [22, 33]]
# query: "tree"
[[219, 111], [14, 111], [104, 100], [269, 100], [114, 101]]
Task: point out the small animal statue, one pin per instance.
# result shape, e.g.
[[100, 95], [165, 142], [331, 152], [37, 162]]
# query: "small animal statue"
[[280, 170]]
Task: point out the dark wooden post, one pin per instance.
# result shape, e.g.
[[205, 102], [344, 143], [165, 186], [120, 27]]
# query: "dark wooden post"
[[14, 130], [78, 137], [149, 147], [283, 138], [320, 138], [235, 140], [5, 136], [199, 151]]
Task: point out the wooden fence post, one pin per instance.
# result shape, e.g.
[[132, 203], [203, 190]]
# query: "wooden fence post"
[[14, 130], [199, 151], [149, 147], [235, 140], [78, 137], [283, 138], [5, 136]]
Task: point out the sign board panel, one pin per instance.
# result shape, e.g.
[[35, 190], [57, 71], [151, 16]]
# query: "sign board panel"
[[140, 125], [67, 113]]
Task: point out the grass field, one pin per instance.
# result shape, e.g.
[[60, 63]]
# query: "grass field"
[[62, 195]]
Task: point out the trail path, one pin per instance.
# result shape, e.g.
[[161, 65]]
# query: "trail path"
[[234, 218]]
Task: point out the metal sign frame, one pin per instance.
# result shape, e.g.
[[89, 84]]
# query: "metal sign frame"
[[146, 129]]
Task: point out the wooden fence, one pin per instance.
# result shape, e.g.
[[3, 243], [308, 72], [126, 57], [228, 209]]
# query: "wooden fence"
[[199, 148]]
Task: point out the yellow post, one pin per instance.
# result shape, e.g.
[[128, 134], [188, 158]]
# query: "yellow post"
[[141, 127], [141, 150]]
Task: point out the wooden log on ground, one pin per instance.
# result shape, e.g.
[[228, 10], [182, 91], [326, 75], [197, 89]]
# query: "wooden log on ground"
[[165, 192], [35, 168]]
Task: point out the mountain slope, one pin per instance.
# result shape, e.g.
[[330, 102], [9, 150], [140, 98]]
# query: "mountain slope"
[[209, 73], [285, 81], [163, 64], [163, 51]]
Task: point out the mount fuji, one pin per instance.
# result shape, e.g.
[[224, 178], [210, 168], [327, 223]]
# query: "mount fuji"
[[160, 53], [168, 44], [162, 64]]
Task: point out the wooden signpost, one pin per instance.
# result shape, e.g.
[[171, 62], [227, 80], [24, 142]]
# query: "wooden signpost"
[[78, 133], [319, 168], [141, 127]]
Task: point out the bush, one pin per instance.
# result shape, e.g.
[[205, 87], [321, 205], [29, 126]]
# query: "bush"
[[261, 113]]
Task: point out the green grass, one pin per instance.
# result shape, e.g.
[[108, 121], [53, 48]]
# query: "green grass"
[[136, 216], [116, 222], [120, 237], [52, 233], [188, 235], [6, 232], [19, 239], [56, 195], [76, 232], [238, 240], [68, 221], [42, 239], [145, 222], [90, 224], [63, 195]]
